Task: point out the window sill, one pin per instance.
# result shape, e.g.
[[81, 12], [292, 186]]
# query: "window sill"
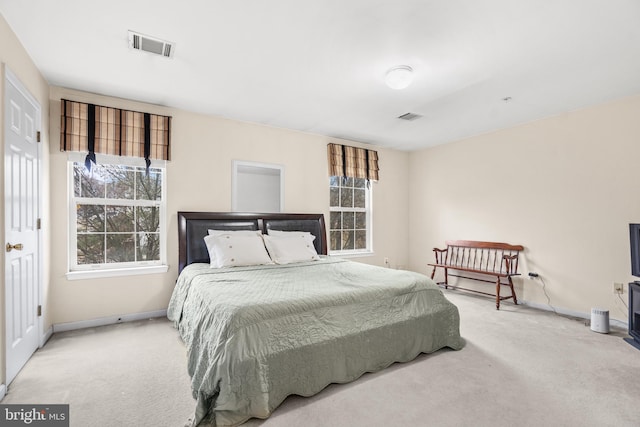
[[354, 254], [116, 272]]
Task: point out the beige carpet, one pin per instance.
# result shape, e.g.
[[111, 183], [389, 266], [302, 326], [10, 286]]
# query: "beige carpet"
[[520, 367]]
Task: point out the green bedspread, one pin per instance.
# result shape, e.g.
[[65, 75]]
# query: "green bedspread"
[[258, 334]]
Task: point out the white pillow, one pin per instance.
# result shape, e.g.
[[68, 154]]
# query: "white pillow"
[[286, 250], [231, 250], [280, 233], [211, 232]]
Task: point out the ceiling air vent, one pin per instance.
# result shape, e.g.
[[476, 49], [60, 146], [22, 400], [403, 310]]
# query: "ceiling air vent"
[[150, 44], [409, 116]]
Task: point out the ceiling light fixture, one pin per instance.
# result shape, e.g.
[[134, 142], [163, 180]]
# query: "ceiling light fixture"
[[399, 77]]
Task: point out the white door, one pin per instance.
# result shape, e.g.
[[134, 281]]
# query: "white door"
[[21, 119]]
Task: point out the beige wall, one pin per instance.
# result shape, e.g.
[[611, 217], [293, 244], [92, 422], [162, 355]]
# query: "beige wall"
[[14, 57], [199, 179], [565, 187]]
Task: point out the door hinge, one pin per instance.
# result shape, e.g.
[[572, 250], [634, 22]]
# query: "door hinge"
[[38, 136], [39, 224], [39, 310]]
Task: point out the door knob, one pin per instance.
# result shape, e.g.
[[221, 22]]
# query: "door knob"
[[17, 247]]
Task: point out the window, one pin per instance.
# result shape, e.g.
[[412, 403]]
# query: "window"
[[350, 216], [117, 217]]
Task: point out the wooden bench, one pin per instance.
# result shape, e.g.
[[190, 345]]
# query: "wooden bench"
[[499, 260]]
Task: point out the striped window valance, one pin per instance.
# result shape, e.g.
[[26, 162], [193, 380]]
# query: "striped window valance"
[[106, 130], [352, 162]]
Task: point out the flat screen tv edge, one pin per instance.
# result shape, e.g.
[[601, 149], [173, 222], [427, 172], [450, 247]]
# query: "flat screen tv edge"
[[634, 237]]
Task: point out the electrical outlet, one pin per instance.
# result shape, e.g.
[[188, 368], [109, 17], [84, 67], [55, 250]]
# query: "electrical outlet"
[[618, 288], [386, 261]]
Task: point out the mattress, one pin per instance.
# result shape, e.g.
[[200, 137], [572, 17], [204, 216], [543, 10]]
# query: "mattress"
[[257, 334]]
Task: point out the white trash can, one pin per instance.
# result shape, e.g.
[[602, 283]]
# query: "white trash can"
[[600, 320]]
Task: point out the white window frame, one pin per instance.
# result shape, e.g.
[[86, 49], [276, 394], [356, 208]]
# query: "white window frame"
[[368, 203], [75, 271]]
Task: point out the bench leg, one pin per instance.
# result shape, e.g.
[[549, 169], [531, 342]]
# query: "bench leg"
[[513, 291], [446, 276], [498, 294]]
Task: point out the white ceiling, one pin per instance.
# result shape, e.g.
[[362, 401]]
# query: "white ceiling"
[[318, 65]]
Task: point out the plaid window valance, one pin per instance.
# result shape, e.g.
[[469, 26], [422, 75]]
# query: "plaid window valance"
[[106, 130], [352, 162]]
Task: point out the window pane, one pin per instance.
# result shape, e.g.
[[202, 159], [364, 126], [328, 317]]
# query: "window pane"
[[348, 220], [148, 219], [90, 248], [120, 219], [149, 187], [148, 247], [361, 220], [120, 247], [334, 181], [359, 198], [77, 179], [346, 198], [334, 196], [348, 238], [336, 240], [361, 239], [359, 182], [120, 181], [88, 184], [90, 218], [348, 182], [335, 221]]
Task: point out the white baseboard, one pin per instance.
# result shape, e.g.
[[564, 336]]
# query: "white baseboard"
[[45, 337], [3, 391], [103, 321], [612, 322]]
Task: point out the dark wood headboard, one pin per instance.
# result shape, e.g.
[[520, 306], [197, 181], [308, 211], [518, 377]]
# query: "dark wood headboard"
[[194, 226]]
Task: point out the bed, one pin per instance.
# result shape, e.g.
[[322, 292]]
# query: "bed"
[[256, 334]]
